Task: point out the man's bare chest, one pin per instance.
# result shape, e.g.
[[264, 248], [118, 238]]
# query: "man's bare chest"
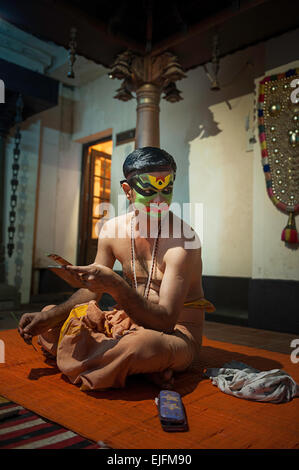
[[143, 260]]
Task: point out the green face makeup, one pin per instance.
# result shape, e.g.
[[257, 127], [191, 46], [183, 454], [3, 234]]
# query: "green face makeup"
[[147, 187]]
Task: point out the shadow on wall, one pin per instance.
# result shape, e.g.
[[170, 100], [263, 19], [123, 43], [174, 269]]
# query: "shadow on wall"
[[193, 118], [208, 129], [237, 73], [236, 78]]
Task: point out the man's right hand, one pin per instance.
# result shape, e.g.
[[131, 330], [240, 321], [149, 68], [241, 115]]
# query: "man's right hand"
[[32, 324]]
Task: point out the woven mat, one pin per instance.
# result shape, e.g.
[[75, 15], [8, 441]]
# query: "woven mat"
[[128, 418], [22, 429]]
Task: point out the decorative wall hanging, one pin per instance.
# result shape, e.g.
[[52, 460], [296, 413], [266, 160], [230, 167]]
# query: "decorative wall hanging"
[[215, 65], [278, 118]]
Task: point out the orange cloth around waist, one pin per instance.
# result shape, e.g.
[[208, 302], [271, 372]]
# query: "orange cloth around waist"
[[112, 323], [77, 312], [70, 328], [201, 303]]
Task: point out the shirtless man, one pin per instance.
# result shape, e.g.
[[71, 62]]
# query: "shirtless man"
[[167, 333]]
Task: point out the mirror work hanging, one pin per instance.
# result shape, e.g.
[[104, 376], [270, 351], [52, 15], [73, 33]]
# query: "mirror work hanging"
[[278, 122]]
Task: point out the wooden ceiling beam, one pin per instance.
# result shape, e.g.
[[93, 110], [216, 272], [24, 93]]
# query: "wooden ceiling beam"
[[98, 25], [204, 26], [52, 21], [254, 21]]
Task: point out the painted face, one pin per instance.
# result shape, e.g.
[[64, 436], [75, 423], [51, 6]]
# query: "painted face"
[[153, 192]]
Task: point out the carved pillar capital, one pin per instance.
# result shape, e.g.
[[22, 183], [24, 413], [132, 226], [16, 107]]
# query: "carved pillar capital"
[[136, 70], [148, 76]]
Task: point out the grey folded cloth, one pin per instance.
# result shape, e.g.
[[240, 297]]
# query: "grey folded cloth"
[[243, 381]]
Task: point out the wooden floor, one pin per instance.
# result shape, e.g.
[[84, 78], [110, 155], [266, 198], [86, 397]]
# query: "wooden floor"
[[245, 336]]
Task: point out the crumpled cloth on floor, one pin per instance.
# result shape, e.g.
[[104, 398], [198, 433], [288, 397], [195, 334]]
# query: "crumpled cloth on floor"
[[242, 381]]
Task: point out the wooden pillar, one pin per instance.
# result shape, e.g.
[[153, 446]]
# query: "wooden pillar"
[[147, 125], [148, 76]]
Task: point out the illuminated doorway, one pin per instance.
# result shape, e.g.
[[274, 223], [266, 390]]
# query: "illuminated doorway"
[[95, 189]]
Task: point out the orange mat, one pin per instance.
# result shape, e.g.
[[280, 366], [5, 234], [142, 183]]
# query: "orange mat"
[[128, 418]]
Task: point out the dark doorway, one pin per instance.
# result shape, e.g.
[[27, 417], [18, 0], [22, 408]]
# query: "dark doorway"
[[95, 189]]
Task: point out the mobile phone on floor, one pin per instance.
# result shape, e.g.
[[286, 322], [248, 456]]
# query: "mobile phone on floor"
[[171, 411]]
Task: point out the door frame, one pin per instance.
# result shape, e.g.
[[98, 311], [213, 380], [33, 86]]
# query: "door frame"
[[84, 201]]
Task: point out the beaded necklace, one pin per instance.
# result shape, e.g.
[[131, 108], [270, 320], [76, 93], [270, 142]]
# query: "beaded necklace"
[[154, 255]]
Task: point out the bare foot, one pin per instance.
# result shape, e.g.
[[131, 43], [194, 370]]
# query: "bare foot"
[[163, 379]]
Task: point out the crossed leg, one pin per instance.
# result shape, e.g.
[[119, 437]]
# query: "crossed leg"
[[49, 339], [101, 366], [142, 351]]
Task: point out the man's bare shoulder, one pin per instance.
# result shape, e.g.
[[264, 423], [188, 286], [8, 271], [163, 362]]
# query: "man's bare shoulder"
[[185, 235], [183, 248], [116, 227]]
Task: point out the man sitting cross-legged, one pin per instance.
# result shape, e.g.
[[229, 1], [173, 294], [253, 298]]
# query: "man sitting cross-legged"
[[156, 326]]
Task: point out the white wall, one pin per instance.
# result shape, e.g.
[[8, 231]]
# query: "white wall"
[[221, 178], [59, 184], [206, 133], [95, 109], [59, 196]]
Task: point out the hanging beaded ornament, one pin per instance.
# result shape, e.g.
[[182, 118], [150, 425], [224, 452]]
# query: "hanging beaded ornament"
[[278, 120], [154, 256]]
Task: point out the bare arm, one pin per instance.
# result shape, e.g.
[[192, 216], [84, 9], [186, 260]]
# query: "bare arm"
[[104, 257], [174, 288], [32, 324]]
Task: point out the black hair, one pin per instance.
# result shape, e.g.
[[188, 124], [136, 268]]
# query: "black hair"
[[148, 159]]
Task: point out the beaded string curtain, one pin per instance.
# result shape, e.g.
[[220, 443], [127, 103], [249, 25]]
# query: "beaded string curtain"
[[278, 119]]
